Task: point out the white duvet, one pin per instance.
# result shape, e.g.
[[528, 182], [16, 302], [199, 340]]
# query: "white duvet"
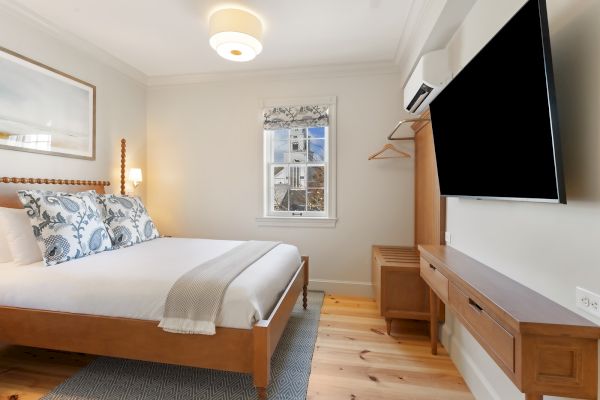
[[134, 282]]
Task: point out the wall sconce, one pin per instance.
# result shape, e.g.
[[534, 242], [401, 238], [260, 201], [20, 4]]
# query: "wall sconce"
[[135, 176]]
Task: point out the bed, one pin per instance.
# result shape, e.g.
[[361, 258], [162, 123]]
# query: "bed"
[[95, 315]]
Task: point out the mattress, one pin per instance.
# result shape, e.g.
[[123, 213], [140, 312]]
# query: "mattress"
[[133, 282]]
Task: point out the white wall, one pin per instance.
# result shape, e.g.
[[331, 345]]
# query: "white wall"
[[549, 248], [204, 142], [120, 107]]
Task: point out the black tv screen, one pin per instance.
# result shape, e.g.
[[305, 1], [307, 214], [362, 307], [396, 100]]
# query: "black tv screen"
[[495, 125]]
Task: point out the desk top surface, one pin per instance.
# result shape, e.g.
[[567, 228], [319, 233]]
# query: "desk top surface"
[[517, 301]]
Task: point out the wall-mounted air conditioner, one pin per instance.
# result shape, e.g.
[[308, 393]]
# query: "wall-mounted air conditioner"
[[430, 76]]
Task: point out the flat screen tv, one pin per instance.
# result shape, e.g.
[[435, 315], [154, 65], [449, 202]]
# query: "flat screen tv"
[[495, 125]]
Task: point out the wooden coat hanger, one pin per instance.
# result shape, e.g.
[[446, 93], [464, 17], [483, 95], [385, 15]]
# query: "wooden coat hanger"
[[397, 153]]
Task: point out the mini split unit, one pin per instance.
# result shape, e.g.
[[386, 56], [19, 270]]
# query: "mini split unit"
[[429, 77]]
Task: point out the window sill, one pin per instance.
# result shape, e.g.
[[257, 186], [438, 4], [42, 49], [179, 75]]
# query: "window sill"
[[297, 222]]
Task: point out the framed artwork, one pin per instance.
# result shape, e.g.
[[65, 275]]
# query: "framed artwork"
[[43, 110]]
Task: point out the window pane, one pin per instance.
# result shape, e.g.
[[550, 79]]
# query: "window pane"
[[297, 176], [297, 200], [316, 200], [280, 150], [281, 134], [296, 156], [316, 150], [280, 197], [280, 188], [297, 133], [280, 175], [297, 146], [297, 165], [316, 133], [316, 177]]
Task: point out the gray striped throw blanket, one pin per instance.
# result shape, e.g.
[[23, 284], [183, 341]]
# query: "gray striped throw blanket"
[[194, 301]]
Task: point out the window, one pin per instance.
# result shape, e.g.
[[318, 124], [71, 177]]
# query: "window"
[[298, 171], [299, 164]]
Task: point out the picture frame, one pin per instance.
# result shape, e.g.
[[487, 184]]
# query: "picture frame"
[[44, 110]]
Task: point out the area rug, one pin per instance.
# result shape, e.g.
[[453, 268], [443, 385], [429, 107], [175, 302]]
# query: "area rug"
[[108, 378]]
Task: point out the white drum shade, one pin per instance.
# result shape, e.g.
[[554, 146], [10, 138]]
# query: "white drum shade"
[[235, 34]]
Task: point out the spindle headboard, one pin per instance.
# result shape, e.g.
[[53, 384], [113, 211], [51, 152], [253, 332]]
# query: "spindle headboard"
[[123, 160], [9, 187]]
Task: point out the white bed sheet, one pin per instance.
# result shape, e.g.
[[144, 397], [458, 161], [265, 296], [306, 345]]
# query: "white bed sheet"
[[134, 282]]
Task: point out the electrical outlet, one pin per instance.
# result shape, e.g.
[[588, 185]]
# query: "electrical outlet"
[[588, 301], [448, 237]]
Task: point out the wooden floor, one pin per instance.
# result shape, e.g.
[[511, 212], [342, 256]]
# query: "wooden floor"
[[28, 374], [354, 360]]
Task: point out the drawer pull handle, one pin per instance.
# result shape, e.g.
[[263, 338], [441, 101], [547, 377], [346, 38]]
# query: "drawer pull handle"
[[476, 306], [432, 267]]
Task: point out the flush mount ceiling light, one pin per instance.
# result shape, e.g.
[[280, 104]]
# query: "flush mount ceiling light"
[[235, 34]]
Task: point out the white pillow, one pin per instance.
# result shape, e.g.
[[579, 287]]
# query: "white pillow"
[[5, 255], [19, 234]]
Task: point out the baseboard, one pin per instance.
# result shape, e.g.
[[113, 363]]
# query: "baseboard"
[[346, 288], [479, 385]]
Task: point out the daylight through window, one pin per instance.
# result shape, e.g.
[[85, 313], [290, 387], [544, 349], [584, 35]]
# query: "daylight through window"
[[296, 160]]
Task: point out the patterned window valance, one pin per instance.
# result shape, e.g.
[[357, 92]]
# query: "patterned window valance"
[[287, 117]]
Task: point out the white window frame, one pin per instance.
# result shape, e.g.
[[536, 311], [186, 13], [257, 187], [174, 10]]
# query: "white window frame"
[[307, 219]]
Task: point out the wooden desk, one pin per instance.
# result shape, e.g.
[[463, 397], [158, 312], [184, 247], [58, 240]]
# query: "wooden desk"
[[544, 348]]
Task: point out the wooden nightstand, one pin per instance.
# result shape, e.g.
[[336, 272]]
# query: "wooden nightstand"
[[399, 290]]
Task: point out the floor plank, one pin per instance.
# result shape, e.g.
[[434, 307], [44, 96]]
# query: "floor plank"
[[28, 374], [354, 359]]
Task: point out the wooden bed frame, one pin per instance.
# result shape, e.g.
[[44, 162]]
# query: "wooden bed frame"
[[237, 350]]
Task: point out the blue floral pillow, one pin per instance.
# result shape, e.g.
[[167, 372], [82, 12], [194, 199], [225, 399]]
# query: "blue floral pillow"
[[127, 220], [66, 225]]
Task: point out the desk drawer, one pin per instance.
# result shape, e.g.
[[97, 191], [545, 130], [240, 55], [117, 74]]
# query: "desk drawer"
[[491, 335], [435, 279]]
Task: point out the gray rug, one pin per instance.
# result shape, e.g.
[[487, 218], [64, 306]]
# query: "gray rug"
[[114, 379]]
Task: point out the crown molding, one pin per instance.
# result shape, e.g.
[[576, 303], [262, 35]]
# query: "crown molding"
[[64, 36], [325, 71], [419, 24], [410, 22]]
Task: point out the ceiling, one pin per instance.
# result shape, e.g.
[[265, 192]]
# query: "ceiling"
[[170, 37]]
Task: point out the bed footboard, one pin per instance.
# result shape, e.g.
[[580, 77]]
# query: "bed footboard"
[[267, 332], [238, 350]]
